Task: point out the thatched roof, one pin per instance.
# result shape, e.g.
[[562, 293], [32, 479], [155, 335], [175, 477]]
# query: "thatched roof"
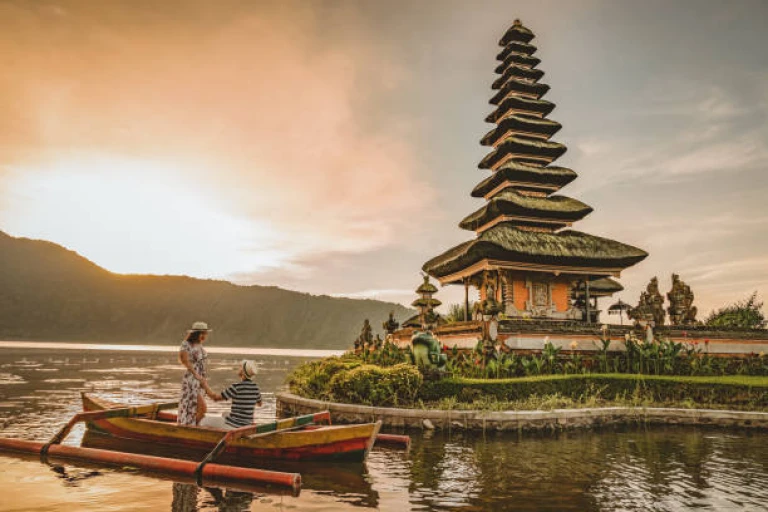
[[600, 288], [427, 303], [516, 47], [543, 107], [510, 202], [426, 287], [519, 172], [514, 58], [517, 32], [517, 72], [521, 123], [524, 146], [517, 85], [504, 242]]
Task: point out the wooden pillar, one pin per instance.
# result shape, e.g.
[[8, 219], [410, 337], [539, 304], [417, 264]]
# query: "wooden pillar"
[[466, 299], [586, 301]]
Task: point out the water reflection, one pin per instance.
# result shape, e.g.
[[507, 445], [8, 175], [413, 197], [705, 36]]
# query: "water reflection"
[[615, 469]]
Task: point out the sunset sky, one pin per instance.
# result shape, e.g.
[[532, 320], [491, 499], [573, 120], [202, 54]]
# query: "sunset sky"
[[330, 146]]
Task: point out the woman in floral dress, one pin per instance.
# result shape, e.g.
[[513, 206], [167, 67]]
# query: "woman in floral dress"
[[192, 355]]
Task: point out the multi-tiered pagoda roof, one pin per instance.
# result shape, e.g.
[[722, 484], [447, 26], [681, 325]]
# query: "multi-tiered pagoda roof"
[[522, 224]]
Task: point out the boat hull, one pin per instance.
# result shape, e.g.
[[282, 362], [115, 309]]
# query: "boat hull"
[[349, 443]]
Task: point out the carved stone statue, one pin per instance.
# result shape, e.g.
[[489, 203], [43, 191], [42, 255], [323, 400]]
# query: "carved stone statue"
[[365, 338], [650, 307], [681, 309], [391, 325]]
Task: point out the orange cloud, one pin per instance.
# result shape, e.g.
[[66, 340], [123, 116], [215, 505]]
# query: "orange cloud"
[[270, 115]]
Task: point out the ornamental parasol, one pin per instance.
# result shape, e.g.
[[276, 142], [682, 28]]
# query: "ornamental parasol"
[[618, 309]]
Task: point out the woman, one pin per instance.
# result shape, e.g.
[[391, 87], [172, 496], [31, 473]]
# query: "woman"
[[192, 355]]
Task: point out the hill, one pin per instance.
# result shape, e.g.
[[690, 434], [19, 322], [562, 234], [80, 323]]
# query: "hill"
[[50, 293]]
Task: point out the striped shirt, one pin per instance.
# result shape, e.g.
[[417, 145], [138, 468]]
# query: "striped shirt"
[[244, 395]]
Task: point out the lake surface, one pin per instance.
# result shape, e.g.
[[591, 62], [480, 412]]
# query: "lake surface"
[[614, 469]]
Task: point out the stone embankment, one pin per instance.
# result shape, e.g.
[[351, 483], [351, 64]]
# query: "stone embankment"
[[559, 419]]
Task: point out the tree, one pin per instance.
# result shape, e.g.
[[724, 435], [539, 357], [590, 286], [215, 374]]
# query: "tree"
[[746, 314], [456, 312]]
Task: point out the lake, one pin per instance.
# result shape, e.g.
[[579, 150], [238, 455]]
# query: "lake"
[[667, 468]]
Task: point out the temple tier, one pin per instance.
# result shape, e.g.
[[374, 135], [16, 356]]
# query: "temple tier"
[[532, 265]]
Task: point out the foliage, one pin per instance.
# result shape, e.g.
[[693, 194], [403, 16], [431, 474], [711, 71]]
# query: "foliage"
[[388, 355], [374, 385], [456, 312], [313, 379], [742, 391], [745, 314], [659, 357], [349, 379]]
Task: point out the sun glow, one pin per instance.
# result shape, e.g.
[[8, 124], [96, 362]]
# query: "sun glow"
[[137, 216]]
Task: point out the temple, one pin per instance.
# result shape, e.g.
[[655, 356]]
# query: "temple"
[[522, 251]]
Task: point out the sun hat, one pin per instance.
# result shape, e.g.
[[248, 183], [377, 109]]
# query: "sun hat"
[[200, 326], [250, 368]]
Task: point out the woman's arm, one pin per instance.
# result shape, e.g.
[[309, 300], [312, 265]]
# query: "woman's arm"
[[184, 360]]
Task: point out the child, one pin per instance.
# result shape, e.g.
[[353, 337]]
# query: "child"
[[245, 396]]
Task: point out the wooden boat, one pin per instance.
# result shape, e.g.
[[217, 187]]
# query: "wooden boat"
[[306, 439]]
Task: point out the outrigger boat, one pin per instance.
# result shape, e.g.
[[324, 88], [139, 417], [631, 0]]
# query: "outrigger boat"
[[310, 437]]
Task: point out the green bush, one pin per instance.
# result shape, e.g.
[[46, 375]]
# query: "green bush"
[[744, 314], [312, 379], [739, 391], [374, 385]]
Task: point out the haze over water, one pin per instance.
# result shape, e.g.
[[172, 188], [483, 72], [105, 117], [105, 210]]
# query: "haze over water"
[[624, 469]]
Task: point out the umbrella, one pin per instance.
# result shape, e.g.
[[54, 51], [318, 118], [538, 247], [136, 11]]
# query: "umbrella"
[[618, 309]]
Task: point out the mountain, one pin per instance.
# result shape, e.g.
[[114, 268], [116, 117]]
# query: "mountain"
[[50, 293]]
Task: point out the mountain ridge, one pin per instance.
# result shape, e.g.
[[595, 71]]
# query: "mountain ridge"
[[51, 293]]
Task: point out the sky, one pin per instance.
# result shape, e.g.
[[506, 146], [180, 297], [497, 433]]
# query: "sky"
[[331, 146]]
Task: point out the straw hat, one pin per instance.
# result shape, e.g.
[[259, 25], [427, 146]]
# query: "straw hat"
[[250, 368], [200, 326]]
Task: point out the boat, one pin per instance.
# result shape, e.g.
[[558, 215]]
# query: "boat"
[[301, 438]]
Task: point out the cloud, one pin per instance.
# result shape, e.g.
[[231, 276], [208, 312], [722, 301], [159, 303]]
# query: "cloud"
[[263, 109]]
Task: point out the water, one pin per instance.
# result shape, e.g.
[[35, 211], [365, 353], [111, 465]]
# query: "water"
[[616, 469]]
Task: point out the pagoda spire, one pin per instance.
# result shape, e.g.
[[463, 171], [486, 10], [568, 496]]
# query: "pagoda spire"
[[520, 236]]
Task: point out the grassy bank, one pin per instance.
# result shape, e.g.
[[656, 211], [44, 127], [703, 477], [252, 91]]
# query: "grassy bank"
[[349, 380]]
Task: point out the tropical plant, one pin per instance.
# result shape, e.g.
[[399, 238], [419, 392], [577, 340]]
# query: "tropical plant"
[[744, 314], [456, 312]]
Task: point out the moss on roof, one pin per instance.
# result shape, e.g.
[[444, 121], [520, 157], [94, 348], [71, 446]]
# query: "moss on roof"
[[518, 172], [427, 303], [513, 58], [566, 248], [516, 47], [523, 146], [510, 202], [517, 85], [543, 107], [426, 287], [517, 32], [521, 123], [517, 72]]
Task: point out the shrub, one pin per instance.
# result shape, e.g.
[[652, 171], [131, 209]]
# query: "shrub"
[[374, 385], [312, 379], [744, 314]]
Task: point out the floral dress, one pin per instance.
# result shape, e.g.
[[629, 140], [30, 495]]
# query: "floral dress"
[[191, 387]]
